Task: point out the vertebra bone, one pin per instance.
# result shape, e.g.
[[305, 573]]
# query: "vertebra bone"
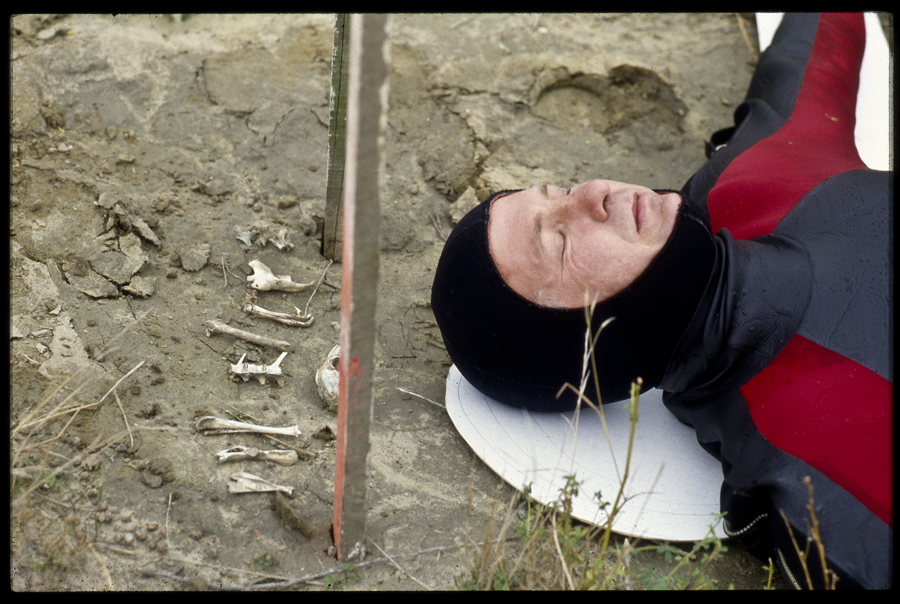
[[245, 370]]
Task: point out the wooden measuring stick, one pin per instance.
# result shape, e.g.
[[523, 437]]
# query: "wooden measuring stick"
[[364, 163], [337, 135]]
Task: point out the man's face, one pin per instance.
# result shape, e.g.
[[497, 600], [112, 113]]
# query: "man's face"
[[571, 248]]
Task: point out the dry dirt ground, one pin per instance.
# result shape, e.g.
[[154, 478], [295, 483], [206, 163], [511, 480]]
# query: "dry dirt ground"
[[143, 147]]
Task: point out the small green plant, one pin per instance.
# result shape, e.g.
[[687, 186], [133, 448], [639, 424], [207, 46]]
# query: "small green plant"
[[553, 550], [51, 481], [690, 567], [267, 561], [348, 577]]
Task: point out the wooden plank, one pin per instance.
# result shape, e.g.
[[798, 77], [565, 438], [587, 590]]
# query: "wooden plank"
[[363, 176], [337, 134]]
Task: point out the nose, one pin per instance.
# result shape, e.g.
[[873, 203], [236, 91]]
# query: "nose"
[[587, 199]]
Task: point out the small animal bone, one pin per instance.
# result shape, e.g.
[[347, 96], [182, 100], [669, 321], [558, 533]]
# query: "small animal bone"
[[264, 280], [241, 453], [211, 424], [327, 377], [245, 370], [244, 482], [249, 306], [216, 326]]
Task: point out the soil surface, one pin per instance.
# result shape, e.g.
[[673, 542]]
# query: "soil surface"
[[152, 158]]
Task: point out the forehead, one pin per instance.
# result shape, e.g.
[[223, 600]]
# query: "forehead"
[[513, 231]]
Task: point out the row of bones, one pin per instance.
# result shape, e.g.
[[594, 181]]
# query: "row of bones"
[[263, 279]]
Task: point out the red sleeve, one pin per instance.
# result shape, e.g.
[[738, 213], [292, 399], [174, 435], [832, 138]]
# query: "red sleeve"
[[815, 143]]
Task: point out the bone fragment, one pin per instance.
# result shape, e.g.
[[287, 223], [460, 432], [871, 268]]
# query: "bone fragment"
[[216, 425], [216, 326], [245, 370], [241, 453], [327, 379], [244, 482], [296, 320], [264, 280]]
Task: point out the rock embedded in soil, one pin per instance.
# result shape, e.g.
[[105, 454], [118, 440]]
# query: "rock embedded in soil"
[[195, 258]]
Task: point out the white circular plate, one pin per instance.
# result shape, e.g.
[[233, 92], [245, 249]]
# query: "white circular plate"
[[673, 484]]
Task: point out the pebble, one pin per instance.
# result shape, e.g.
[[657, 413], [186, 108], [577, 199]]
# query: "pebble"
[[154, 481], [287, 201]]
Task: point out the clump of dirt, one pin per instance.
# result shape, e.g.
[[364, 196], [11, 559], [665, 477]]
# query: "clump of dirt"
[[154, 157]]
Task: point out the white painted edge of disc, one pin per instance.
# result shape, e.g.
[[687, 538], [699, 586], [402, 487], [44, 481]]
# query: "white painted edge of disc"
[[673, 484]]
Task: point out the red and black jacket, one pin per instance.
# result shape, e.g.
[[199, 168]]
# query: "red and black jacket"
[[785, 370]]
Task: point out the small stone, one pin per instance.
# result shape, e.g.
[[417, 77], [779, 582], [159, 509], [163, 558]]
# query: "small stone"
[[143, 287], [154, 481], [287, 201], [195, 258]]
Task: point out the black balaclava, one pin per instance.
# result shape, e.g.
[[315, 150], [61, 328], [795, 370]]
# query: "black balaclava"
[[521, 353]]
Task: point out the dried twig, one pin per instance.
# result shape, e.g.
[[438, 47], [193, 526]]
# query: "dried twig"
[[116, 385], [754, 55], [316, 288], [224, 274], [436, 222], [397, 565], [125, 417], [424, 398], [297, 580], [168, 507], [106, 575]]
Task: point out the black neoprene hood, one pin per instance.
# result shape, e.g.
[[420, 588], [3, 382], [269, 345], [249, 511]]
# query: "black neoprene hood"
[[521, 353]]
